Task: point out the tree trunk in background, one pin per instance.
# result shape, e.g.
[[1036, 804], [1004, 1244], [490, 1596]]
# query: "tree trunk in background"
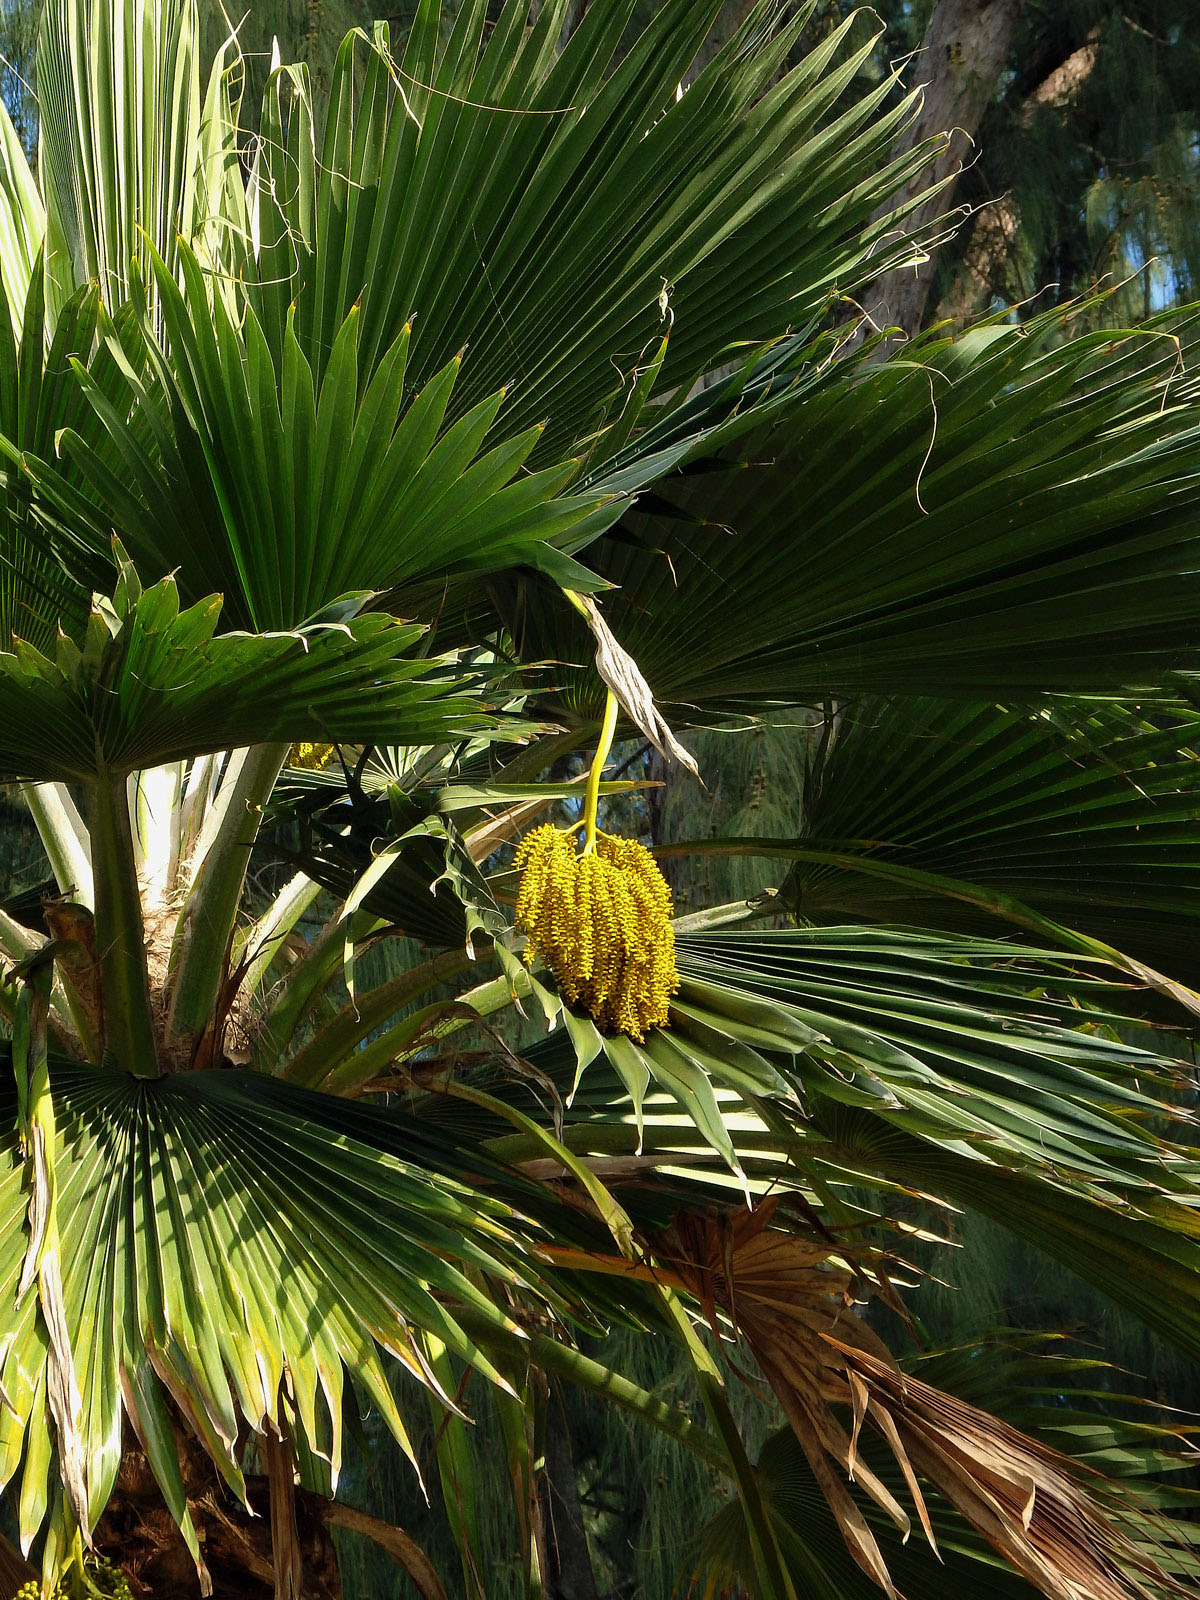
[[576, 12], [733, 15], [965, 49], [994, 229], [569, 1574]]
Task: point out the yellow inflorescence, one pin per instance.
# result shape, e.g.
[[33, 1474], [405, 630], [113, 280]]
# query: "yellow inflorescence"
[[312, 757], [602, 923], [102, 1577]]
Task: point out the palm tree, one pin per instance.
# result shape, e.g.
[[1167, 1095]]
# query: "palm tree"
[[353, 481]]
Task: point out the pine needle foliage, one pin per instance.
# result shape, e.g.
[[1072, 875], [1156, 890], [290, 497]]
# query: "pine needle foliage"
[[1089, 149]]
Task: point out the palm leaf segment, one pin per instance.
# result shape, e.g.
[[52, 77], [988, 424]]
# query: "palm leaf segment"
[[151, 684], [979, 519], [265, 416], [1083, 815], [222, 1234]]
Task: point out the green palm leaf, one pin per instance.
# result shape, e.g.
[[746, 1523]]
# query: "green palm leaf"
[[486, 190], [151, 684], [237, 470], [950, 1067], [194, 1268], [957, 1041], [971, 1044], [992, 517], [1085, 813]]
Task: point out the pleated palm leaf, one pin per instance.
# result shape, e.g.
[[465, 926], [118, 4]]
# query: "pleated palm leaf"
[[338, 470]]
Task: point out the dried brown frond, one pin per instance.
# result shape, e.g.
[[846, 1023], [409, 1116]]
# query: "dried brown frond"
[[788, 1298]]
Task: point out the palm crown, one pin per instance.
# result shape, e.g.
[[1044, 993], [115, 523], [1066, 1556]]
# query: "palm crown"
[[340, 468]]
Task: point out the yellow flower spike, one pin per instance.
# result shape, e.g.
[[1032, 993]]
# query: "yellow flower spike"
[[312, 757], [600, 919], [601, 922]]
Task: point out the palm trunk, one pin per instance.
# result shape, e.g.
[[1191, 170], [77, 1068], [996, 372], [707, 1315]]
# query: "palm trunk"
[[138, 1534], [203, 938], [128, 1021], [15, 1571]]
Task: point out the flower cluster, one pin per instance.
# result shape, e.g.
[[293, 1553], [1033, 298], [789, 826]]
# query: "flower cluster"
[[102, 1579], [312, 757], [601, 921]]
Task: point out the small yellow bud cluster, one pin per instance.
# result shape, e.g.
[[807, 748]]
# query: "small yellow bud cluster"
[[103, 1578], [312, 757], [601, 922]]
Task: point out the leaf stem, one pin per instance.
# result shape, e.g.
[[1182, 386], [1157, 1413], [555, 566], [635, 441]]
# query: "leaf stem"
[[332, 1046], [539, 755], [575, 1367], [591, 803], [205, 929], [264, 938], [301, 989], [120, 931], [64, 838]]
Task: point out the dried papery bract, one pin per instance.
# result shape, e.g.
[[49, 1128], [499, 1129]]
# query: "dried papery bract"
[[623, 678]]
